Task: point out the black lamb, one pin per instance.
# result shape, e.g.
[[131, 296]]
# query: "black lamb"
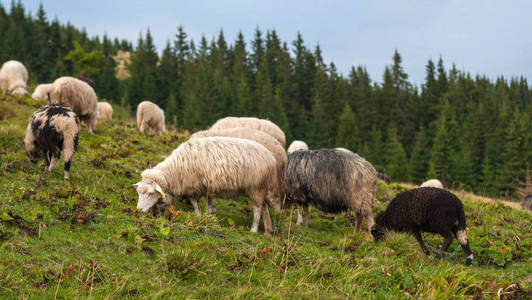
[[425, 209]]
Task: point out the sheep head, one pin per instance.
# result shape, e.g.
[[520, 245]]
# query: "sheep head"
[[150, 193], [378, 230]]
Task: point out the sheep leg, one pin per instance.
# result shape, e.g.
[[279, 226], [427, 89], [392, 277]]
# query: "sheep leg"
[[195, 203], [47, 159], [211, 208], [67, 169], [417, 234], [299, 215], [358, 222], [53, 163], [448, 239], [256, 218], [266, 220], [307, 216]]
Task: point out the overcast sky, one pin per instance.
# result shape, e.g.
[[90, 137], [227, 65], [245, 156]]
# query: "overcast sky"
[[481, 37]]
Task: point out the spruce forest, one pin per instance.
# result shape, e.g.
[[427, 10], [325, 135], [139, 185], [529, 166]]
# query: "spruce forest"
[[467, 130]]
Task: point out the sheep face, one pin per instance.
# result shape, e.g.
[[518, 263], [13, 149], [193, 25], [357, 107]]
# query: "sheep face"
[[150, 193], [34, 155], [378, 230]]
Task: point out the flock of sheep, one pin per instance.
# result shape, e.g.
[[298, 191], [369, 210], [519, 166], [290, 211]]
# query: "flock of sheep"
[[239, 157]]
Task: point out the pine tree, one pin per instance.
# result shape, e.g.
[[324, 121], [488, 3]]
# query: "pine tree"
[[419, 160], [347, 133], [395, 156]]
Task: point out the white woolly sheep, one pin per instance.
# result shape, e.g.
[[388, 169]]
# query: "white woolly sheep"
[[255, 135], [259, 124], [42, 91], [50, 130], [13, 78], [425, 209], [78, 96], [105, 111], [297, 145], [219, 166], [332, 181], [432, 183], [150, 118]]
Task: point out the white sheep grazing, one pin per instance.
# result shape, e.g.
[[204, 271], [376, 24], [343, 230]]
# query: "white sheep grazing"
[[78, 96], [219, 166], [13, 78], [105, 111], [255, 135], [150, 118], [42, 91], [432, 183], [297, 145], [259, 124], [52, 129]]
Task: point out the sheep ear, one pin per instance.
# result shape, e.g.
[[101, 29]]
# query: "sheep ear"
[[159, 189]]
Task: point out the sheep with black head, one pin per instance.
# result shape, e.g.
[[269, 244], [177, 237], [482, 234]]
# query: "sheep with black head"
[[425, 209], [52, 129]]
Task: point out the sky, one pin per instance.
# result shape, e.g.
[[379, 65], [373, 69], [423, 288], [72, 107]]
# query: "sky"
[[486, 37]]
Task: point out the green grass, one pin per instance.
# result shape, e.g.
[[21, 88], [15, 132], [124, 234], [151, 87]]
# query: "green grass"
[[84, 239]]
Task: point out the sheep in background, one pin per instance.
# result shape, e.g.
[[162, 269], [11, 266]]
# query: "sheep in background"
[[42, 91], [79, 97], [13, 78], [105, 111], [50, 130], [527, 202], [255, 135], [219, 166], [426, 209], [87, 81], [297, 145], [150, 118], [333, 181], [259, 124], [432, 183]]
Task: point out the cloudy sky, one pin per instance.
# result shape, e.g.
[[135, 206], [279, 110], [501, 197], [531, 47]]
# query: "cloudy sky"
[[482, 37]]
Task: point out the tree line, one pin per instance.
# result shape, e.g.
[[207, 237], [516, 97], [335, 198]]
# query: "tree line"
[[468, 131]]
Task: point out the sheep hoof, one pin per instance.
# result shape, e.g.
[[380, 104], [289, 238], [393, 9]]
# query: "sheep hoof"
[[468, 262]]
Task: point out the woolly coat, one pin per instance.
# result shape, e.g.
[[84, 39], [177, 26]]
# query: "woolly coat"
[[331, 180], [255, 135], [13, 78], [42, 91], [78, 96], [297, 145], [52, 129], [432, 183], [105, 111], [259, 124], [150, 118]]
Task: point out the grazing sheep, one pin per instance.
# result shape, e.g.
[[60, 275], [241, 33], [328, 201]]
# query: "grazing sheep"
[[42, 91], [105, 111], [432, 183], [297, 145], [527, 202], [333, 181], [87, 81], [78, 96], [150, 118], [259, 124], [13, 78], [260, 137], [50, 130], [219, 166], [425, 209]]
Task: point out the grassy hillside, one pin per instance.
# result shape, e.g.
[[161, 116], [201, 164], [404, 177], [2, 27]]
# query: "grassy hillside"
[[83, 239]]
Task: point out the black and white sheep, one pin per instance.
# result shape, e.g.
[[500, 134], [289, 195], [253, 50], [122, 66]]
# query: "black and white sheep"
[[425, 209], [333, 181], [13, 78], [220, 166], [52, 129], [79, 97]]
